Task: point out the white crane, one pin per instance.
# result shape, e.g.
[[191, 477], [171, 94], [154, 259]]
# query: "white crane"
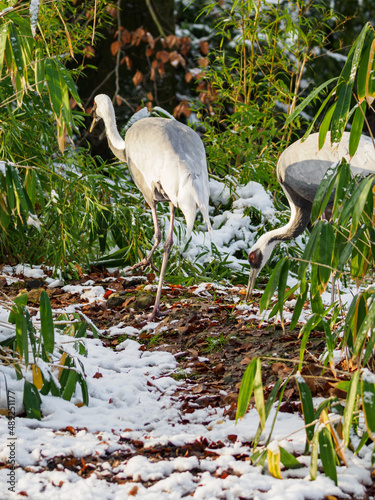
[[300, 170], [168, 163]]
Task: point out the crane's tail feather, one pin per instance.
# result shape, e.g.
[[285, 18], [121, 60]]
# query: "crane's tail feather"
[[195, 195]]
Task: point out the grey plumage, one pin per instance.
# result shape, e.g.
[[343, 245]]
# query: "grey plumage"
[[300, 170], [167, 162]]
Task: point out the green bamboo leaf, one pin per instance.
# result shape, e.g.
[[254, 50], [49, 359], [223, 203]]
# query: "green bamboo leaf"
[[349, 70], [30, 181], [67, 112], [349, 407], [10, 190], [288, 460], [81, 330], [314, 455], [364, 69], [325, 248], [346, 251], [83, 384], [272, 284], [53, 86], [363, 192], [31, 400], [21, 334], [246, 389], [324, 127], [366, 324], [85, 393], [323, 193], [370, 92], [310, 324], [30, 330], [317, 114], [16, 48], [307, 406], [309, 250], [341, 113], [67, 79], [268, 407], [343, 180], [39, 67], [259, 394], [327, 454], [20, 300], [359, 195], [369, 350], [284, 272], [359, 259], [307, 101], [298, 308], [19, 191], [47, 328], [4, 219], [70, 385], [362, 442], [3, 42], [348, 340]]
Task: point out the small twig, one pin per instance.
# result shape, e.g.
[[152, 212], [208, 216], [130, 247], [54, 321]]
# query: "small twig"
[[117, 68], [94, 23], [155, 19]]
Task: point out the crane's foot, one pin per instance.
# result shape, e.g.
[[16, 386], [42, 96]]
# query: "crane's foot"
[[144, 263], [154, 315], [157, 313]]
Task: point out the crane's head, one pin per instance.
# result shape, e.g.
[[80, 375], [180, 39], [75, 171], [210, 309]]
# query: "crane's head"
[[259, 254], [102, 107]]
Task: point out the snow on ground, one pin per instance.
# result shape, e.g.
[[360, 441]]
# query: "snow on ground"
[[232, 230], [133, 398]]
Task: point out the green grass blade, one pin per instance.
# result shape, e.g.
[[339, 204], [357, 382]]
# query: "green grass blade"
[[259, 394], [246, 389], [288, 460], [357, 128], [31, 400], [349, 407], [366, 324], [368, 400], [341, 113], [70, 385], [324, 127], [307, 101], [47, 327], [272, 285], [307, 406], [327, 454]]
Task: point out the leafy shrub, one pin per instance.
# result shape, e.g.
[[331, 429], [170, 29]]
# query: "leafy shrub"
[[341, 249], [44, 367]]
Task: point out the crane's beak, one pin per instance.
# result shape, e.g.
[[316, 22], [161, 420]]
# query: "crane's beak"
[[250, 286], [95, 118]]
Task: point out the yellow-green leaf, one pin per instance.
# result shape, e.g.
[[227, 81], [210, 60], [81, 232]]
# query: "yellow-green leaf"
[[37, 376], [273, 459]]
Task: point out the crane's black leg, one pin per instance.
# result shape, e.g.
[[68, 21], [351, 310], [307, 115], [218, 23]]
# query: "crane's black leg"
[[147, 261], [167, 250]]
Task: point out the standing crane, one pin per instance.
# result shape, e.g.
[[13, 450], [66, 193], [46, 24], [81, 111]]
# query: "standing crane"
[[300, 170], [167, 162]]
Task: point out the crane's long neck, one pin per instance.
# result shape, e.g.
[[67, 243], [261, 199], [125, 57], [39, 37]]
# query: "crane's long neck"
[[115, 141], [299, 218]]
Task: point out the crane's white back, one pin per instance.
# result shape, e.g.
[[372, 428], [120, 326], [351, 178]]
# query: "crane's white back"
[[166, 156]]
